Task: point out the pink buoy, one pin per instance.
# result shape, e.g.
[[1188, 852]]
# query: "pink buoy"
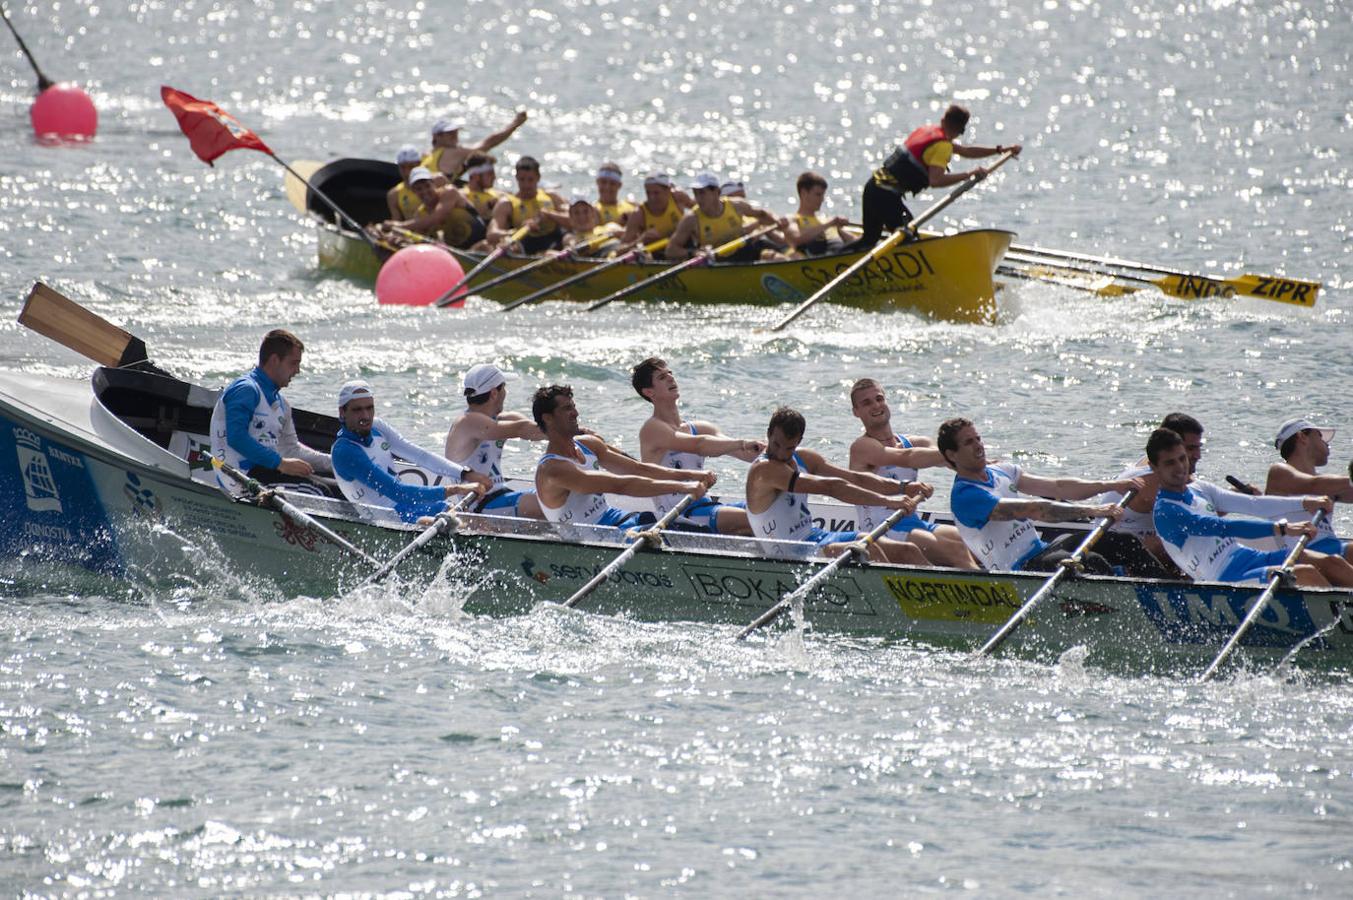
[[419, 275], [64, 112]]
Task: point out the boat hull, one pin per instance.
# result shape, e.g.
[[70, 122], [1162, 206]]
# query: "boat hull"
[[85, 489]]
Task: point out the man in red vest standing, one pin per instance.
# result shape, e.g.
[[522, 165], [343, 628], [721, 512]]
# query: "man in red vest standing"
[[920, 162]]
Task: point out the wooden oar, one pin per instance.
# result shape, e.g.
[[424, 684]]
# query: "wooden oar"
[[298, 184], [1048, 586], [43, 81], [441, 523], [1261, 603], [483, 264], [1184, 286], [54, 315], [586, 274], [701, 258], [544, 260], [892, 241], [784, 603], [266, 496], [652, 535]]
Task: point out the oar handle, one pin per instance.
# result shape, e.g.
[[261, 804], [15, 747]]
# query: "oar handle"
[[654, 530], [1023, 612], [963, 188], [784, 603], [625, 257], [1262, 602], [444, 521]]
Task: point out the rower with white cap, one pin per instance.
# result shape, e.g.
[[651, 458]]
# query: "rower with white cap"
[[477, 436], [364, 455], [443, 211], [716, 220], [1305, 447], [609, 204], [402, 202], [660, 213], [448, 156], [479, 178]]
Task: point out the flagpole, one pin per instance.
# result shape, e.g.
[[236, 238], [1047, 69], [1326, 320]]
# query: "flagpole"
[[325, 197]]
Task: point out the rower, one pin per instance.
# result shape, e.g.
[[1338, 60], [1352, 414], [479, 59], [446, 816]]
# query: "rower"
[[921, 162], [476, 438], [609, 203], [252, 429], [716, 220], [807, 233], [1205, 545], [515, 210], [443, 212], [449, 157], [570, 483], [660, 213], [479, 189], [585, 225], [997, 523], [1304, 448], [667, 439], [779, 483], [889, 454], [364, 456], [402, 202]]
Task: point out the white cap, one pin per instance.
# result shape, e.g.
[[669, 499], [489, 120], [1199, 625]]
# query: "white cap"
[[1295, 426], [442, 126], [351, 391], [408, 154], [483, 378], [609, 175], [705, 180], [480, 169], [422, 173], [661, 179], [731, 187]]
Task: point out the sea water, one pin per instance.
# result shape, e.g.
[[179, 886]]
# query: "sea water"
[[216, 737]]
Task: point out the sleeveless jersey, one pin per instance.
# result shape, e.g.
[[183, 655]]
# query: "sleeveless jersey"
[[1135, 523], [787, 518], [720, 229], [578, 509], [866, 517], [525, 210], [1003, 545], [822, 244], [614, 212], [265, 426], [483, 201], [665, 222], [463, 228], [672, 459], [407, 202], [484, 459]]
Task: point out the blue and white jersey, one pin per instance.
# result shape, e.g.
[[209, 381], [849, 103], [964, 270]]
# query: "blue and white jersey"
[[867, 517], [1001, 546], [672, 459], [485, 459], [1198, 539], [251, 426], [365, 469], [788, 518], [578, 508]]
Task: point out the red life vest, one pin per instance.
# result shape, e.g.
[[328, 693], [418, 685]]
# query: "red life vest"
[[905, 163]]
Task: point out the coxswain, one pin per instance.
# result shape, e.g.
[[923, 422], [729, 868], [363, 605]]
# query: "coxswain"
[[578, 470], [807, 233], [401, 200], [364, 455], [442, 212], [921, 162], [449, 157], [660, 213], [997, 523], [477, 436], [667, 439], [716, 220], [1304, 448], [251, 425], [889, 454], [778, 486], [524, 207], [479, 189], [610, 205], [1206, 546]]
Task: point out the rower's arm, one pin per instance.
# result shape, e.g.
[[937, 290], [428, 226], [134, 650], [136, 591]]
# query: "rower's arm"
[[678, 247], [975, 151], [568, 476], [1047, 510], [501, 223], [1064, 488], [392, 202], [846, 491], [707, 441], [1284, 479], [498, 137], [621, 463]]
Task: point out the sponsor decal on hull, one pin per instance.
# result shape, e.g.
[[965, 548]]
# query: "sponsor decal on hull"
[[1205, 615], [742, 586], [945, 600]]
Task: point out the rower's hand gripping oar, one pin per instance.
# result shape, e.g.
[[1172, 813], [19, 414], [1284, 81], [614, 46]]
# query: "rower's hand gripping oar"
[[651, 535], [443, 522], [701, 258], [892, 241], [270, 498], [490, 259], [550, 257], [784, 603], [1067, 565], [43, 81], [1262, 602], [628, 256]]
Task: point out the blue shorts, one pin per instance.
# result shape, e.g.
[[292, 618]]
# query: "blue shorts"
[[1248, 565], [704, 513], [621, 518], [1331, 545], [823, 538], [501, 503], [912, 522]]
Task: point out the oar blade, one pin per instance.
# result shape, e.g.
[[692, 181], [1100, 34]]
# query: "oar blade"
[[296, 188], [56, 316]]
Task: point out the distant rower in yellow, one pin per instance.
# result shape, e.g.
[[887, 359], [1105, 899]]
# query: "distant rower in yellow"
[[442, 212], [716, 220], [448, 156], [479, 189], [609, 203], [402, 202], [808, 234], [524, 208]]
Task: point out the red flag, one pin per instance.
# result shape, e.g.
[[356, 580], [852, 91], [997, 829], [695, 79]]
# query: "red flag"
[[211, 130]]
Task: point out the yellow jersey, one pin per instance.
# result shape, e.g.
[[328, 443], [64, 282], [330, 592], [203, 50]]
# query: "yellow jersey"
[[664, 223], [614, 212], [720, 229], [525, 210], [407, 202], [483, 201]]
